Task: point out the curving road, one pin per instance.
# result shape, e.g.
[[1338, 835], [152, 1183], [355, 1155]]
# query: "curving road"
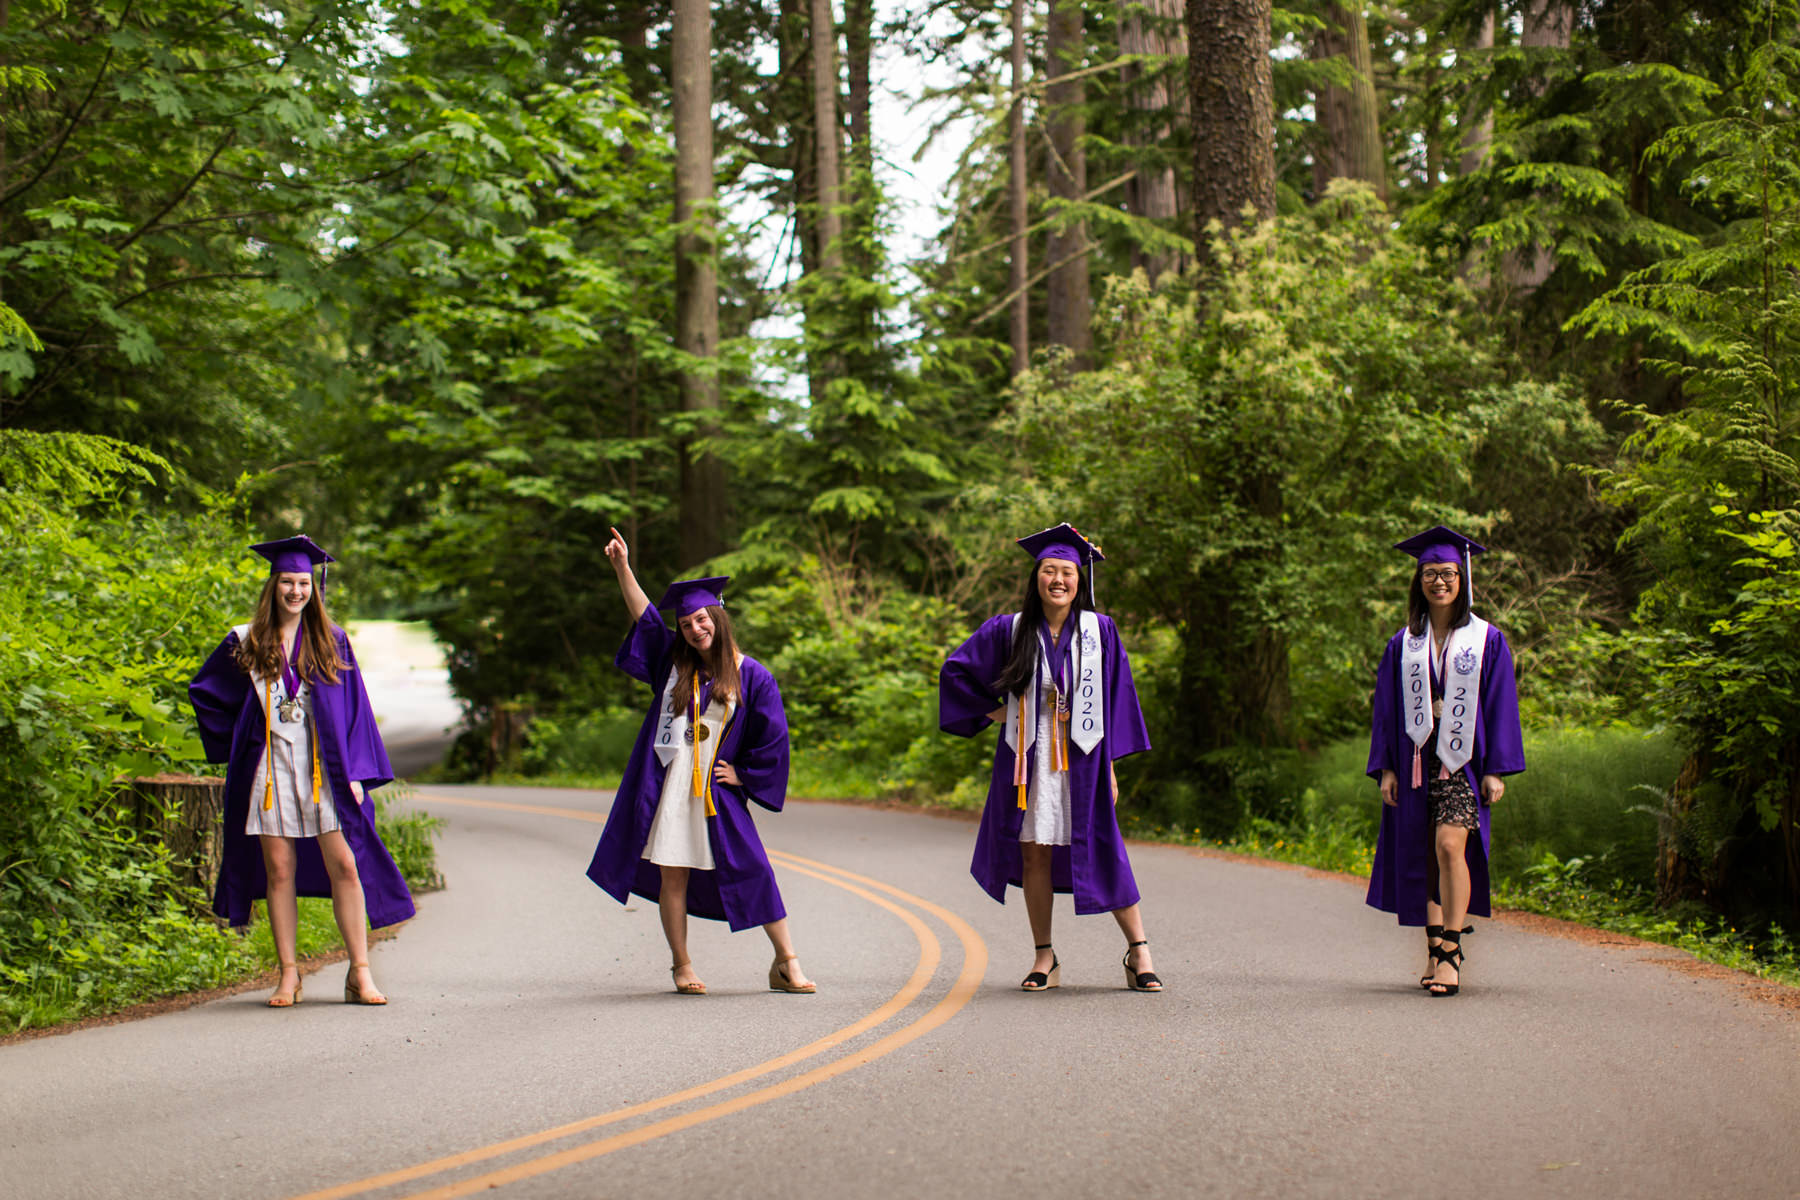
[[533, 1048]]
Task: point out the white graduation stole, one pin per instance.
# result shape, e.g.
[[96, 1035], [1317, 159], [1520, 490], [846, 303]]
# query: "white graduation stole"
[[1088, 717], [1462, 688], [676, 726]]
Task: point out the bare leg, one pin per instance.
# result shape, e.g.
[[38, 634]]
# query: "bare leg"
[[348, 906], [784, 952], [1453, 878], [1434, 911], [284, 912], [1039, 899], [671, 906], [1131, 924]]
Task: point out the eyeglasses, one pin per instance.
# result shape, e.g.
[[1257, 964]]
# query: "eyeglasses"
[[1449, 575]]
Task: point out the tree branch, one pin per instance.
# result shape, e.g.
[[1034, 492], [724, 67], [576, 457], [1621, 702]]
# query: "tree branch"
[[1096, 193]]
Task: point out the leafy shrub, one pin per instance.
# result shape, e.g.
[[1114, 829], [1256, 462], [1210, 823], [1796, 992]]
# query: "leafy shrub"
[[410, 836], [105, 613], [594, 742]]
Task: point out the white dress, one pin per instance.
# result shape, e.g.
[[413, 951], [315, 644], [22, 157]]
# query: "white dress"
[[289, 755], [1047, 820], [678, 836]]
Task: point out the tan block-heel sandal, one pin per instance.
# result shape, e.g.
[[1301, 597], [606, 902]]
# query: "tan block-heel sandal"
[[781, 981]]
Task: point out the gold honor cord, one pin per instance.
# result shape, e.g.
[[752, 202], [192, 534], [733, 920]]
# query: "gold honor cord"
[[1020, 776], [702, 777]]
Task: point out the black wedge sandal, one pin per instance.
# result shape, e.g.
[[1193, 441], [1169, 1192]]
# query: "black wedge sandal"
[[1450, 952], [1039, 981], [1145, 981]]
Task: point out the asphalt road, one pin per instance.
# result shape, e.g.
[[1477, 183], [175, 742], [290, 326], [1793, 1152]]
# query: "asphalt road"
[[534, 1047]]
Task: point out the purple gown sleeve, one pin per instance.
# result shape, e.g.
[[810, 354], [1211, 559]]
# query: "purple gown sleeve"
[[762, 749], [1125, 731], [217, 695], [1383, 715], [966, 691], [1504, 748], [648, 646], [365, 757]]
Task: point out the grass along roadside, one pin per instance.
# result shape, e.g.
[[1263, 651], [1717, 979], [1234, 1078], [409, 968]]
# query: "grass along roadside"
[[1574, 890], [159, 957]]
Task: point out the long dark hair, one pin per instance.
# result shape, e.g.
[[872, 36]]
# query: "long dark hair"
[[720, 661], [1022, 663], [1418, 612], [260, 651]]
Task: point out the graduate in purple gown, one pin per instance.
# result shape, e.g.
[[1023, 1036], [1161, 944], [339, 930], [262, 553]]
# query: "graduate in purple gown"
[[1056, 678], [714, 741], [1444, 734], [282, 702]]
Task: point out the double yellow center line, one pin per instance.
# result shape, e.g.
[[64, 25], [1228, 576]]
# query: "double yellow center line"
[[974, 966]]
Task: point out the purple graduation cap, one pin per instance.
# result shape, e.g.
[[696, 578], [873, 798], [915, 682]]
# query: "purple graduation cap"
[[1065, 542], [686, 595], [1440, 544], [298, 554]]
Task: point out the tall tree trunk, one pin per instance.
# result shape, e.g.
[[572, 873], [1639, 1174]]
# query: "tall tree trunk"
[[634, 53], [1349, 145], [1153, 194], [1233, 682], [827, 138], [859, 46], [5, 20], [1478, 122], [1233, 94], [862, 250], [1547, 25], [794, 104], [696, 278], [1067, 299], [1017, 197]]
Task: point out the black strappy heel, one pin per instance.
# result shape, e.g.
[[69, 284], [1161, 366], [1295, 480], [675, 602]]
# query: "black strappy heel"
[[1450, 952], [1145, 981], [1434, 931], [1039, 981]]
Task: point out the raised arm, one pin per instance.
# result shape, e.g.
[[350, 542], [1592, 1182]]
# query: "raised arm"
[[635, 599]]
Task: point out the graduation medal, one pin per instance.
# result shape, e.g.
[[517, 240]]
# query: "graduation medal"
[[292, 709]]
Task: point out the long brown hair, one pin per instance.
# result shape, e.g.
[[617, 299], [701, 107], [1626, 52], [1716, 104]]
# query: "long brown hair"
[[261, 651], [720, 662]]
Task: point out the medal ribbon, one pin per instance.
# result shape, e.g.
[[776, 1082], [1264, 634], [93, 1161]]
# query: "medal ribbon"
[[290, 678]]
